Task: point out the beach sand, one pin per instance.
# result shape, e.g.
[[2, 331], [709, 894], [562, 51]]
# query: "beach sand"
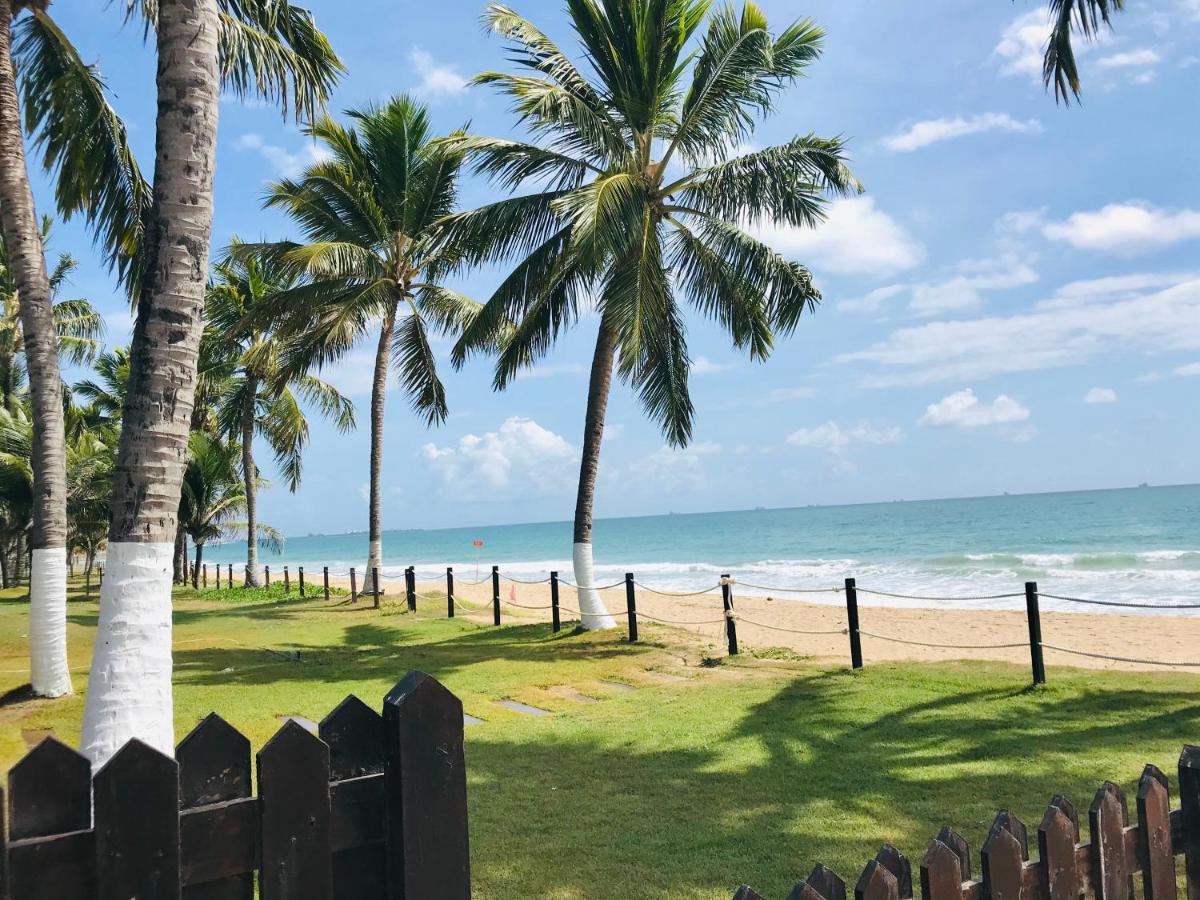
[[765, 623]]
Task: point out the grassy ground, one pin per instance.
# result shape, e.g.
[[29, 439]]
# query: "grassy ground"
[[703, 777]]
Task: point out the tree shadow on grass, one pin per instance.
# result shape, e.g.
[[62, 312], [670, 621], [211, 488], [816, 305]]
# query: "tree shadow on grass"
[[823, 769]]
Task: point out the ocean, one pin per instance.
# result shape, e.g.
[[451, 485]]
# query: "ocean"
[[1139, 544]]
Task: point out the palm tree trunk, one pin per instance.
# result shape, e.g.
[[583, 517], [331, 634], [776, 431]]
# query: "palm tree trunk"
[[129, 687], [249, 475], [180, 563], [49, 672], [594, 614], [378, 394], [196, 567]]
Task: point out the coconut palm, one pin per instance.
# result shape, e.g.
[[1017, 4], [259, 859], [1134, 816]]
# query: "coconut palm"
[[214, 495], [16, 490], [262, 397], [1068, 16], [157, 239], [369, 215], [638, 204], [106, 394]]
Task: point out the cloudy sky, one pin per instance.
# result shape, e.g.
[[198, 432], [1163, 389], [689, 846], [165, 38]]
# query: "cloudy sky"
[[1014, 304]]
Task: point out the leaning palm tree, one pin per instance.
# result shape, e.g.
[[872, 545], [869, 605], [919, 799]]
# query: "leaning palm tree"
[[369, 214], [262, 397], [1068, 16], [638, 205]]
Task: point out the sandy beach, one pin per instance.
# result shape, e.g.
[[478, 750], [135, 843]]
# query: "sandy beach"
[[779, 623]]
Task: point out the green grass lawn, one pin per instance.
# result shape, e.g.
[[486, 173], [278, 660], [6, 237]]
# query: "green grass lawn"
[[703, 777]]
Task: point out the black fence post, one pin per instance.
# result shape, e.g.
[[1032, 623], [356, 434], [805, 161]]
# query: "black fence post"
[[325, 580], [425, 792], [204, 574], [100, 577], [856, 660], [449, 592], [229, 577], [375, 584], [730, 624], [353, 586], [287, 581], [631, 607], [1034, 615], [266, 576], [556, 625], [1189, 803], [301, 572], [495, 595], [412, 588]]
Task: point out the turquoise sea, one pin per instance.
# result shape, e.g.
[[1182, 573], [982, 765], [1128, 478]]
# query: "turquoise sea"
[[1135, 544]]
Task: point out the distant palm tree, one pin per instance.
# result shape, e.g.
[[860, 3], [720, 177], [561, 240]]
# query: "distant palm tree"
[[214, 495], [369, 214], [105, 394], [640, 200], [261, 396], [1085, 16]]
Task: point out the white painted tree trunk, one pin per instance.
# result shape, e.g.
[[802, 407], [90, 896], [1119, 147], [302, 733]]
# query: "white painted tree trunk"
[[50, 675], [129, 689], [593, 613]]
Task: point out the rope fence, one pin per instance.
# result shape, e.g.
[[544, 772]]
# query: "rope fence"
[[730, 619]]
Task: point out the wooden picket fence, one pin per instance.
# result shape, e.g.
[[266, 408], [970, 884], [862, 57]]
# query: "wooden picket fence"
[[373, 807], [1065, 869]]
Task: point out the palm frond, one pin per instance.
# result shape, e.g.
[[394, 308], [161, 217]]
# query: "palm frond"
[[415, 364]]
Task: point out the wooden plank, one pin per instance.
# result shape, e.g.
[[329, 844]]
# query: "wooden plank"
[[1107, 817], [1156, 857], [897, 863], [60, 866], [49, 792], [425, 775], [822, 884], [958, 844], [1189, 802], [876, 883], [137, 842], [745, 892], [220, 845], [214, 768], [941, 873], [354, 733], [1058, 842], [293, 785], [1003, 858]]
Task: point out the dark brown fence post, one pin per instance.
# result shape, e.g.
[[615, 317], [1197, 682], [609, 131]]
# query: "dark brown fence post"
[[730, 624], [556, 624], [100, 578], [856, 660], [287, 581], [204, 574], [1189, 802], [412, 588], [1033, 613], [229, 577], [325, 580], [301, 573], [449, 592], [375, 586], [428, 852], [631, 607], [218, 576], [353, 587], [495, 595], [266, 576]]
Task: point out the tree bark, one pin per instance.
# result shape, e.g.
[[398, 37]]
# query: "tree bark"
[[594, 614], [251, 480], [196, 566], [180, 562], [49, 672], [129, 688], [378, 395]]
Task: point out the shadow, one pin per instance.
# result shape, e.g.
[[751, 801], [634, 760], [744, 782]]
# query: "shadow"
[[20, 694]]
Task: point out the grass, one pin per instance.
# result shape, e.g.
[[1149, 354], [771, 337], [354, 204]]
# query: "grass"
[[750, 770]]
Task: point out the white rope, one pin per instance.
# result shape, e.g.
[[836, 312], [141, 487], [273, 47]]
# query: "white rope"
[[606, 587], [645, 587], [738, 618], [642, 615], [786, 590], [1124, 659], [863, 590], [523, 606], [545, 580], [885, 637], [1122, 602]]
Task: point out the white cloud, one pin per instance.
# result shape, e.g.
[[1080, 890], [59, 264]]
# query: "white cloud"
[[956, 293], [285, 163], [1100, 395], [782, 395], [1126, 228], [702, 365], [1188, 371], [856, 238], [1112, 288], [1022, 44], [552, 370], [874, 301], [519, 457], [675, 468], [835, 438], [931, 131], [437, 80], [963, 409], [1129, 59], [1065, 334]]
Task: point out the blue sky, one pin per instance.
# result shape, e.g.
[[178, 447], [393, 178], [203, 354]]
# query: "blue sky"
[[1014, 304]]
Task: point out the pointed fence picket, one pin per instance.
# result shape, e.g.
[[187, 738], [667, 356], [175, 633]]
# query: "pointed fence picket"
[[1125, 859], [373, 806]]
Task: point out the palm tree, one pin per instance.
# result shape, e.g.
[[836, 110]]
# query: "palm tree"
[[16, 491], [106, 396], [638, 203], [369, 214], [1067, 16], [263, 396], [157, 239], [214, 495]]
